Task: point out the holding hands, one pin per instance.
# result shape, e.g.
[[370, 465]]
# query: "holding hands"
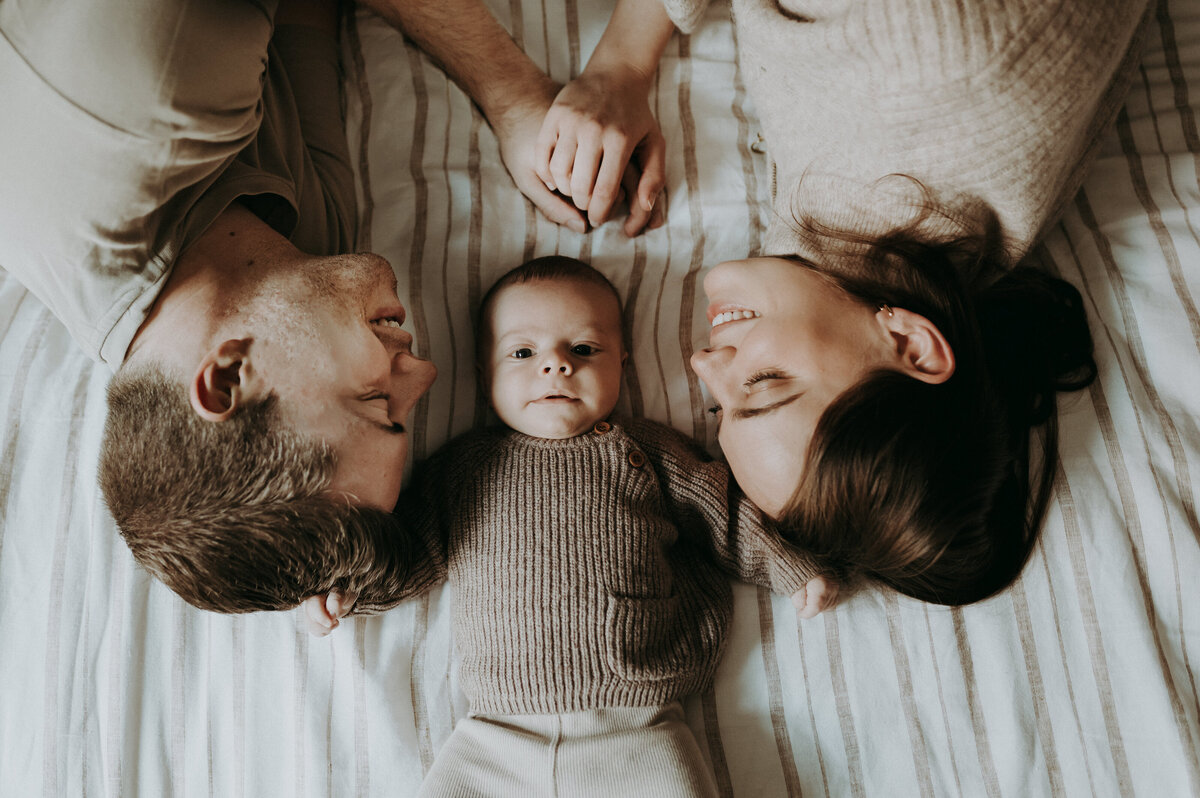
[[598, 140]]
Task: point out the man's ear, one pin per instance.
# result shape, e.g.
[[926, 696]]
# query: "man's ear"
[[225, 380], [921, 350]]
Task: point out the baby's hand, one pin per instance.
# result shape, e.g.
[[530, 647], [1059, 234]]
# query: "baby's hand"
[[322, 614], [818, 595], [600, 124]]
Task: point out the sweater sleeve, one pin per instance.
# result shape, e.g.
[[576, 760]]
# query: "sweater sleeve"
[[713, 512]]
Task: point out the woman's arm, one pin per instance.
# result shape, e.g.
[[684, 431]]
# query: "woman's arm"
[[601, 121]]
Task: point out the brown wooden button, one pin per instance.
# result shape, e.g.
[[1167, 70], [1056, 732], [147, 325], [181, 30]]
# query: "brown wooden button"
[[601, 427], [637, 459]]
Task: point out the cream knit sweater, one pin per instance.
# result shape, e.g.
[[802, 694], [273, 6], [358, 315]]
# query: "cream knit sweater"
[[984, 101], [588, 572]]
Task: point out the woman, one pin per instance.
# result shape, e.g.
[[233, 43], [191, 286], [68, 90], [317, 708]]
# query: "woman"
[[879, 378]]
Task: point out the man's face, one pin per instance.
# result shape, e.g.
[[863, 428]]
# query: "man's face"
[[330, 344], [554, 357]]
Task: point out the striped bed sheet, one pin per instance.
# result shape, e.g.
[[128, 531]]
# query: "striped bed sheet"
[[1080, 680]]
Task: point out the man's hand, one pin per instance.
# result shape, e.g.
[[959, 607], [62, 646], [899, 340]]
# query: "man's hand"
[[322, 614], [516, 127], [597, 124], [818, 595]]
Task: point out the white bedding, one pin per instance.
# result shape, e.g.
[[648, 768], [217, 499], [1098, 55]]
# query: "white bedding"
[[1080, 680]]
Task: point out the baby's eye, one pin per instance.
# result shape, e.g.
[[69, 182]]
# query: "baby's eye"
[[521, 354], [583, 350]]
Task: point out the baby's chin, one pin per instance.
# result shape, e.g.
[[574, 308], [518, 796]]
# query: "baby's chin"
[[554, 423]]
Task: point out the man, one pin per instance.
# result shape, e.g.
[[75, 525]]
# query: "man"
[[176, 188]]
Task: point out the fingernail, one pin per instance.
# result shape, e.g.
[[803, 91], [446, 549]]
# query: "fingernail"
[[578, 226]]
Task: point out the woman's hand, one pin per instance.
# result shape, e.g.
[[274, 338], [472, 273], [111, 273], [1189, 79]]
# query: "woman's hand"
[[599, 135], [820, 594], [322, 614]]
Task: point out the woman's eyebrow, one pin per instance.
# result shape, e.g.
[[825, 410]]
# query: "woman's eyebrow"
[[743, 413]]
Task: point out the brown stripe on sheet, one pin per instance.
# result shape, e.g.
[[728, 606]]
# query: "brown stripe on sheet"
[[691, 173], [774, 685], [716, 749], [420, 227], [908, 699], [116, 703], [572, 10], [1090, 623], [475, 250], [1184, 489], [447, 309], [658, 353], [841, 697], [1183, 103], [1183, 482], [517, 31], [1166, 156], [747, 157], [178, 691], [1129, 512], [12, 432], [1037, 686], [300, 701], [241, 745], [329, 714], [1141, 188], [808, 701], [416, 682], [937, 680], [633, 388], [1062, 652], [983, 748], [366, 210], [362, 737], [55, 611]]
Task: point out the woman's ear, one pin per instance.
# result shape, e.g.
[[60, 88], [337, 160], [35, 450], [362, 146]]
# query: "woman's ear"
[[922, 351], [225, 380]]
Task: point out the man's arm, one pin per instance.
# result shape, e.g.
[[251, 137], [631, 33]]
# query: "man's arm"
[[514, 94]]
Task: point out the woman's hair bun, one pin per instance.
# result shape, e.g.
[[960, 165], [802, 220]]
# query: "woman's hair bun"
[[1036, 341]]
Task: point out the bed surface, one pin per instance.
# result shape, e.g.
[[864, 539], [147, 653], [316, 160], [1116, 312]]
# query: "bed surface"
[[1080, 680]]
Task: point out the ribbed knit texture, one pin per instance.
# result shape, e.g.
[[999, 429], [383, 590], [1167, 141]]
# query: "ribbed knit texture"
[[593, 571], [989, 103]]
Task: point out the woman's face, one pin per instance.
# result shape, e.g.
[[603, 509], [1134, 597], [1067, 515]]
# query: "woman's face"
[[784, 343]]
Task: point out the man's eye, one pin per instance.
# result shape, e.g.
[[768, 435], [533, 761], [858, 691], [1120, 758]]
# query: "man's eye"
[[522, 353], [583, 350]]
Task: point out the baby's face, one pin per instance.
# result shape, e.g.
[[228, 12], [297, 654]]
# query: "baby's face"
[[553, 366]]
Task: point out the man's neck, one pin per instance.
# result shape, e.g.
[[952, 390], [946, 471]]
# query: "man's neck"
[[209, 279]]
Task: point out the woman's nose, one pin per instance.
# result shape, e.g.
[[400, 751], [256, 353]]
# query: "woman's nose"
[[708, 362]]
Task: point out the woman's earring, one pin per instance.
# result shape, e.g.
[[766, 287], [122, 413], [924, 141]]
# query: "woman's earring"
[[888, 308]]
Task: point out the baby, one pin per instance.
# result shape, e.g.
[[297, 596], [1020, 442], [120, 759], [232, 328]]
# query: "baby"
[[590, 561]]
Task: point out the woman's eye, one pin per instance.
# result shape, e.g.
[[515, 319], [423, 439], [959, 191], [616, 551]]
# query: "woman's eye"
[[583, 350], [765, 374], [715, 409], [522, 353]]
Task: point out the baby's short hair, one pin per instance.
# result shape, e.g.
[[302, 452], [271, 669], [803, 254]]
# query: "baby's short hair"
[[550, 268]]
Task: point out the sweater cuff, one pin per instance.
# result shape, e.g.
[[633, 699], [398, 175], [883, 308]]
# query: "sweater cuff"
[[790, 568], [686, 14]]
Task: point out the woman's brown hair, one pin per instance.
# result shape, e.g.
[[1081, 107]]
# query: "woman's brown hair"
[[926, 488]]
